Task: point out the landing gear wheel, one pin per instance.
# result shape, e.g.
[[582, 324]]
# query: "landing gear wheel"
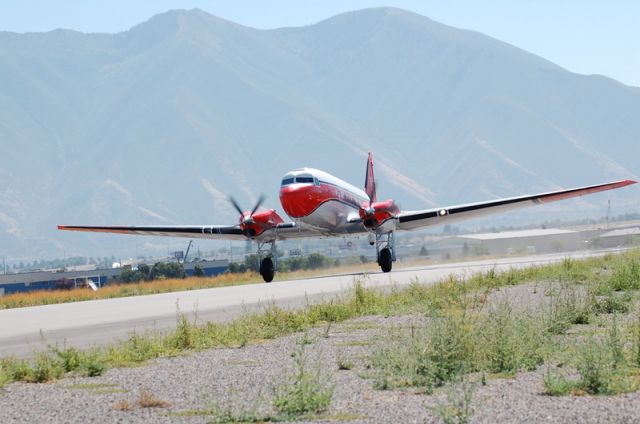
[[267, 270], [384, 260]]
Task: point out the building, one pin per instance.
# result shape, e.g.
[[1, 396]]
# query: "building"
[[49, 280], [620, 237], [511, 242]]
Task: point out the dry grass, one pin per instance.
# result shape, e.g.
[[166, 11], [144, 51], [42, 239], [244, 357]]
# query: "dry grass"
[[47, 297], [123, 405], [146, 399]]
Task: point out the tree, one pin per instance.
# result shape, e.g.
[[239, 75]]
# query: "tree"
[[315, 261], [127, 275], [166, 270], [198, 271], [252, 262], [423, 251], [145, 270]]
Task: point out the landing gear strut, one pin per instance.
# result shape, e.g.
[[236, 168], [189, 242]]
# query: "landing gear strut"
[[267, 261], [385, 249]]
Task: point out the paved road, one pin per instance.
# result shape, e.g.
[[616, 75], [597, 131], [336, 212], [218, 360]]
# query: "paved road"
[[27, 330]]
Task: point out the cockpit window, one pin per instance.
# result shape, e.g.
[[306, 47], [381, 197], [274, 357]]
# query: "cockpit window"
[[304, 179], [288, 181]]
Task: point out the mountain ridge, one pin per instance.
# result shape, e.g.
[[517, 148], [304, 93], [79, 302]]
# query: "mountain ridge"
[[158, 123]]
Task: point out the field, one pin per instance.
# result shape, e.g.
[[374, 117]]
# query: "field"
[[47, 297], [559, 333]]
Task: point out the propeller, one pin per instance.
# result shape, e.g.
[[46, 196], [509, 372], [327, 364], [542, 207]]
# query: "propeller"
[[247, 219]]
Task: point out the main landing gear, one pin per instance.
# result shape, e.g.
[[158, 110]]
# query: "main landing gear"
[[267, 261], [385, 249]]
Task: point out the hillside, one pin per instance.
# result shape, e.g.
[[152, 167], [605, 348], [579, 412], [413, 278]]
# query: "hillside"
[[159, 123]]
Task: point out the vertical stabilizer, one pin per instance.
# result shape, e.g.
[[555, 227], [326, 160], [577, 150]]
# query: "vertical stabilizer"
[[370, 181]]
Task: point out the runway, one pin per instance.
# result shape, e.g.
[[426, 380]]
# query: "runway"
[[27, 330]]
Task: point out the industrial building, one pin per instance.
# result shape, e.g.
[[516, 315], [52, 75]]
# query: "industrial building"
[[49, 280]]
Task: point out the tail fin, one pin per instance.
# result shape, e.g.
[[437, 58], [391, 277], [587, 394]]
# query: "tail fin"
[[369, 181]]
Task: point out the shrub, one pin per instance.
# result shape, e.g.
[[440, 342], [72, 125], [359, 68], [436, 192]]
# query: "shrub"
[[507, 342], [556, 384], [459, 408], [46, 368], [595, 367], [305, 392], [428, 357], [566, 308]]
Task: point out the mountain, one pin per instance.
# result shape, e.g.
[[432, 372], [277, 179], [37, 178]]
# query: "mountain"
[[159, 123]]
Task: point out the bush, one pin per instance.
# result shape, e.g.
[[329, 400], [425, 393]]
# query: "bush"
[[46, 368], [167, 270], [305, 392], [556, 384], [428, 357], [198, 271], [131, 276], [568, 307], [595, 367], [508, 342], [626, 276]]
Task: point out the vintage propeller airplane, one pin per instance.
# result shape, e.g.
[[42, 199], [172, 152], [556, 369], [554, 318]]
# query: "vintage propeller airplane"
[[322, 205]]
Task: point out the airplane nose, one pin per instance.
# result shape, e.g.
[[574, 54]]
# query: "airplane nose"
[[298, 200]]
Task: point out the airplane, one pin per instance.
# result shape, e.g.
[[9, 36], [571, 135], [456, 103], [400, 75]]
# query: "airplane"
[[321, 205]]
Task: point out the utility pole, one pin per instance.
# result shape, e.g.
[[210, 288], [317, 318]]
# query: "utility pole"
[[608, 213]]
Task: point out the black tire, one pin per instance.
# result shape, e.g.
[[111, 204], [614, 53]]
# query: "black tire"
[[384, 260], [267, 270]]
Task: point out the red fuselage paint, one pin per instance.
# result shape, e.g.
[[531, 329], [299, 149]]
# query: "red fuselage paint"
[[325, 201]]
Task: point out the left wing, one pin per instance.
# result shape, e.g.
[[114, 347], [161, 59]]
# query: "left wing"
[[215, 232], [222, 232], [412, 220]]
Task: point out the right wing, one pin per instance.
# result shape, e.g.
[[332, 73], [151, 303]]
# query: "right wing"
[[412, 220]]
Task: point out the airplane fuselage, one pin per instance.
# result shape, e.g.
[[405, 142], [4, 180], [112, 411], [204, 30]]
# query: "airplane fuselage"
[[316, 199]]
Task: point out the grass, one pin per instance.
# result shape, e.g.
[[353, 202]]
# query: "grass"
[[47, 297], [464, 336], [305, 392], [146, 399], [459, 406]]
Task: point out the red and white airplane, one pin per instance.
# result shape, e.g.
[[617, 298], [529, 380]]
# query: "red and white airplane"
[[321, 205]]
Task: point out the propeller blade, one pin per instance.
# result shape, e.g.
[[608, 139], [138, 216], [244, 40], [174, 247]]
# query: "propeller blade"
[[235, 205], [258, 204]]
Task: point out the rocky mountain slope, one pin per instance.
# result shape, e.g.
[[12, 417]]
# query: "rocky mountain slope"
[[159, 123]]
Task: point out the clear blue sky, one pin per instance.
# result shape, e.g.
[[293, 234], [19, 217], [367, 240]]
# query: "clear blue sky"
[[584, 36]]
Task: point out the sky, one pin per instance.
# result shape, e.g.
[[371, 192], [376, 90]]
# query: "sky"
[[583, 36]]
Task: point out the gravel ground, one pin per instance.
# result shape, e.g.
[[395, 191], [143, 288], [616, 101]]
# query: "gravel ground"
[[243, 379]]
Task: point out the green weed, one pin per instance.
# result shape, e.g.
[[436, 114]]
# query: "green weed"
[[556, 384], [458, 408], [306, 391]]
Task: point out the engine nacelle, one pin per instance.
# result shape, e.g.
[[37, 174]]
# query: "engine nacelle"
[[376, 214], [259, 222]]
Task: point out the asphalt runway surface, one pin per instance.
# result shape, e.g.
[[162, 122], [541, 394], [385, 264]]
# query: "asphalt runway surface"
[[24, 331]]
